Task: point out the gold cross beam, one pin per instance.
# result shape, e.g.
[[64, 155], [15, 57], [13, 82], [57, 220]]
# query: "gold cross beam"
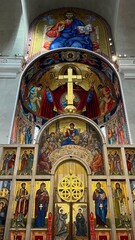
[[71, 78]]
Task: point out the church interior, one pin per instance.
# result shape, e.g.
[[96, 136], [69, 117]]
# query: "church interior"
[[67, 135]]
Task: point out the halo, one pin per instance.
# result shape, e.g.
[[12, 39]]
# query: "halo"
[[80, 209], [4, 201], [60, 209]]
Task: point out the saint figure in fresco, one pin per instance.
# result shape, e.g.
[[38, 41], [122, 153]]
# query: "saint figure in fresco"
[[71, 136], [97, 163], [100, 198], [34, 98], [4, 200], [30, 162], [24, 162], [120, 207], [47, 104], [56, 101], [129, 162], [6, 159], [28, 135], [9, 162], [21, 210], [61, 227], [70, 32], [106, 100], [41, 205], [92, 103], [81, 228], [3, 211], [117, 163]]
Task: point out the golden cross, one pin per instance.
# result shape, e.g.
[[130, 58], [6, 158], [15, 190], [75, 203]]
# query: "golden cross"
[[70, 77]]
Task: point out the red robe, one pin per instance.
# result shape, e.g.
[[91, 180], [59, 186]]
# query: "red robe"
[[47, 108]]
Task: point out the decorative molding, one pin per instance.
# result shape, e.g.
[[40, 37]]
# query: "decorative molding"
[[10, 67], [127, 67]]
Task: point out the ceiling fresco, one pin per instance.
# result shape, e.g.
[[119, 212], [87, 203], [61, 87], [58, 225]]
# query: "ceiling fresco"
[[96, 94], [69, 81], [69, 27]]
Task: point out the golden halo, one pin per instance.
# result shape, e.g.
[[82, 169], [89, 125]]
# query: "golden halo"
[[80, 209], [60, 209]]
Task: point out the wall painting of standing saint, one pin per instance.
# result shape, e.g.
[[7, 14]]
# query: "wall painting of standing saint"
[[26, 161], [100, 200], [8, 161], [130, 159], [5, 187], [132, 185], [21, 204], [80, 221], [120, 201], [41, 203], [61, 219], [115, 162]]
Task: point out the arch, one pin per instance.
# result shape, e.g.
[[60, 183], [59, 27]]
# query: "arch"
[[70, 158], [72, 116], [77, 54]]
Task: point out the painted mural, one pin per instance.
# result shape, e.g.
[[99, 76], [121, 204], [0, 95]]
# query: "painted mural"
[[20, 204], [79, 221], [115, 162], [5, 187], [130, 160], [41, 202], [69, 27], [120, 201], [117, 131], [91, 96], [132, 186], [46, 92], [8, 161], [26, 162], [100, 200], [61, 136]]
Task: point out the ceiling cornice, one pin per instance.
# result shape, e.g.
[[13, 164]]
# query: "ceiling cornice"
[[10, 67], [127, 67]]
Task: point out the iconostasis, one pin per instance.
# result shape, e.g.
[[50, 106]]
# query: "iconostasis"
[[72, 173], [69, 171]]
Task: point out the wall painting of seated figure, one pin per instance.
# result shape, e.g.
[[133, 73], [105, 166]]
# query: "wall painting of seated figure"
[[64, 134]]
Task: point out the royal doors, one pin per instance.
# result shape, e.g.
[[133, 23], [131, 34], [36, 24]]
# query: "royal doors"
[[70, 202]]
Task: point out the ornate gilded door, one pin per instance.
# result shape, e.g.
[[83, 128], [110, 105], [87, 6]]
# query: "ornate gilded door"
[[70, 206]]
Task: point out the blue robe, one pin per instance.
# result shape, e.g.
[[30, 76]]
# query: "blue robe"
[[100, 207], [41, 207], [70, 137], [70, 37]]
